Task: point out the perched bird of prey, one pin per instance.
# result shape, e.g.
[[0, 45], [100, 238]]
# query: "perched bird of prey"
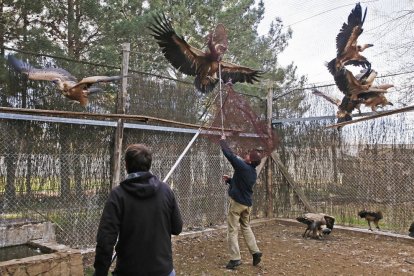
[[69, 86], [371, 216], [204, 65], [317, 223], [348, 84], [411, 230], [348, 51], [345, 107]]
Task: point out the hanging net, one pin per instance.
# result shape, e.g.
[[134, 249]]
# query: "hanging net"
[[244, 130]]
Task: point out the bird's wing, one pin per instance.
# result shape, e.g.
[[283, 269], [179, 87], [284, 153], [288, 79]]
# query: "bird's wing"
[[176, 50], [314, 217], [47, 74], [334, 101], [350, 31], [304, 220], [330, 221], [342, 80], [86, 82], [238, 73]]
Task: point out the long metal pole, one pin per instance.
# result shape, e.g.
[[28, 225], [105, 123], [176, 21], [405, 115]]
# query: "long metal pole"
[[181, 157]]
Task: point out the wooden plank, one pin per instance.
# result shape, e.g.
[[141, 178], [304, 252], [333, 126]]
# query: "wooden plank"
[[119, 132], [382, 114], [269, 175], [292, 183], [261, 165]]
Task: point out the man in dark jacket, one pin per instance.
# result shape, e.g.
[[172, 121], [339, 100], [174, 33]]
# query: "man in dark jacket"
[[142, 213], [240, 193]]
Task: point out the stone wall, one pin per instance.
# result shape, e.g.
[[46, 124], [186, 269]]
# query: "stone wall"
[[62, 261], [21, 233]]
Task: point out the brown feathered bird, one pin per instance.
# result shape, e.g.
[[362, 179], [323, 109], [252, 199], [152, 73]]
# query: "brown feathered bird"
[[204, 65], [348, 50], [411, 230], [69, 86], [317, 224], [345, 107], [371, 216]]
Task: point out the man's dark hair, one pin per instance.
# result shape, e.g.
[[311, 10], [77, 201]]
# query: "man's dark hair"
[[138, 158], [255, 158]]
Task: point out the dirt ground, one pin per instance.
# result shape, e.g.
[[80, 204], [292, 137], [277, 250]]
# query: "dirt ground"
[[285, 252]]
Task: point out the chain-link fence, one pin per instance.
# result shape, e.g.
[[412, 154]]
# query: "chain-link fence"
[[60, 169], [65, 177], [61, 172]]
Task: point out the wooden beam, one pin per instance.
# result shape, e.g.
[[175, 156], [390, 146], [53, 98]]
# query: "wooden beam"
[[112, 117], [382, 114], [292, 183], [119, 132], [269, 175]]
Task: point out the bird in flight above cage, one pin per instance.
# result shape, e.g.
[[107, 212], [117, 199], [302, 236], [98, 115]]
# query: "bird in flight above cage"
[[348, 51], [204, 65], [69, 86]]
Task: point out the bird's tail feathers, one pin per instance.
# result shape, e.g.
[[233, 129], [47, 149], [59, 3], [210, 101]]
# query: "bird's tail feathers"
[[94, 90], [379, 215], [331, 66], [204, 88]]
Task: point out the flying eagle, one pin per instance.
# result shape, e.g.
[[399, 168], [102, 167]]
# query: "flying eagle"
[[318, 224], [348, 51], [69, 86], [204, 65]]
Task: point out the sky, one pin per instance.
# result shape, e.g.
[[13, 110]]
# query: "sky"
[[315, 24]]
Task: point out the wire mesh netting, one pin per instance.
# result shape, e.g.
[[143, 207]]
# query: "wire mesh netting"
[[234, 116], [60, 169]]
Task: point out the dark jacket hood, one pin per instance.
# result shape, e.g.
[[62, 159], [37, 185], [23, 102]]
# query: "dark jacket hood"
[[141, 184]]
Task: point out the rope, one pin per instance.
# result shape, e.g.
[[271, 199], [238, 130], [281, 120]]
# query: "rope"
[[221, 101]]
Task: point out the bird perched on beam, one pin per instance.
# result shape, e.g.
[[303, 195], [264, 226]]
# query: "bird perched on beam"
[[204, 65], [345, 107], [317, 223], [69, 86], [348, 51], [371, 216], [352, 86]]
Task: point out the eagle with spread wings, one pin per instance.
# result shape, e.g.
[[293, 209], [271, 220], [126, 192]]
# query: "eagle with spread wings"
[[204, 65], [348, 50], [69, 86]]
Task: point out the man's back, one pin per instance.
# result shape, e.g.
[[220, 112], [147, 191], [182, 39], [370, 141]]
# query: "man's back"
[[146, 212]]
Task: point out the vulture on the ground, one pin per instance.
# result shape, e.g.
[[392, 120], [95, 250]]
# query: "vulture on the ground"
[[317, 224], [371, 216]]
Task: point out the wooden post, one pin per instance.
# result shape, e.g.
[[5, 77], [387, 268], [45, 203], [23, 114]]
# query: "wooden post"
[[269, 176], [120, 106], [292, 183]]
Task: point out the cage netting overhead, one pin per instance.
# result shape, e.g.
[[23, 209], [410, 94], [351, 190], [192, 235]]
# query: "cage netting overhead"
[[244, 129]]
